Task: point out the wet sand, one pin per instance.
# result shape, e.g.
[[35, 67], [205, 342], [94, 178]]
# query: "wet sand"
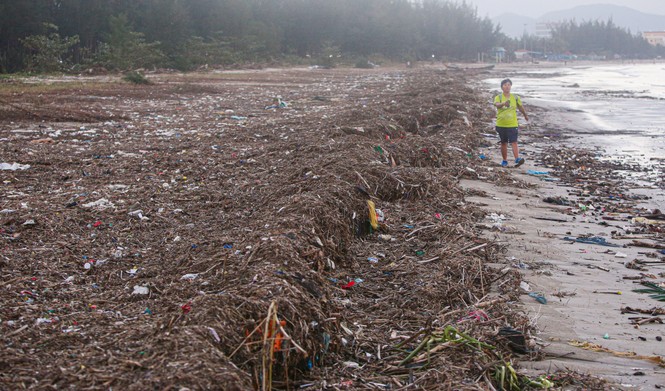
[[587, 277]]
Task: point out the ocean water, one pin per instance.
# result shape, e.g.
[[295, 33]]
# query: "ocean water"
[[618, 109]]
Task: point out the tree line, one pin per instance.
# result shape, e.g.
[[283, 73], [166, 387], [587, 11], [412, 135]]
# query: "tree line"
[[122, 34], [603, 38], [591, 38], [71, 35]]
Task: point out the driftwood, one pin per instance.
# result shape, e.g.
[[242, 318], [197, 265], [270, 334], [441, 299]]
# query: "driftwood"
[[185, 232]]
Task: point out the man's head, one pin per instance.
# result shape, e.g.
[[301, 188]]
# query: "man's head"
[[506, 84]]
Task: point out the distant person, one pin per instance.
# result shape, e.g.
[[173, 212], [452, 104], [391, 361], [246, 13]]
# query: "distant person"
[[506, 121]]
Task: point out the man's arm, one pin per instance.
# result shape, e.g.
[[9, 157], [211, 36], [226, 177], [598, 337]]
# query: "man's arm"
[[521, 109], [499, 105]]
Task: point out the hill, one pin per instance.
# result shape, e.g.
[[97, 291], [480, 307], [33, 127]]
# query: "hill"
[[636, 21]]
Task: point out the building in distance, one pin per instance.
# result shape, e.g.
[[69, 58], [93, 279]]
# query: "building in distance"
[[655, 38]]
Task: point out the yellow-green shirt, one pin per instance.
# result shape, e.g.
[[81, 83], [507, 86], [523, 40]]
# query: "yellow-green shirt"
[[506, 117]]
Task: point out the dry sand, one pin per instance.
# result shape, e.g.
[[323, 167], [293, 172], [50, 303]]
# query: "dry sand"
[[579, 273]]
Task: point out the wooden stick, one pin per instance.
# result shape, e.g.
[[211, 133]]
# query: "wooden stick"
[[475, 248], [363, 180], [428, 260], [420, 229]]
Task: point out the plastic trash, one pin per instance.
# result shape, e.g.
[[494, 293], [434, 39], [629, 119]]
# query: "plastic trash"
[[380, 217], [591, 240], [100, 204], [373, 219], [277, 103], [138, 214], [539, 297], [515, 338], [186, 307], [45, 320], [537, 173], [14, 166], [140, 290], [214, 334]]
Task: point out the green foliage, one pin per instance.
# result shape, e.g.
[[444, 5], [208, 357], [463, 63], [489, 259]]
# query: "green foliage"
[[48, 51], [123, 34], [364, 63], [126, 49], [330, 55], [136, 78], [655, 291], [602, 38]]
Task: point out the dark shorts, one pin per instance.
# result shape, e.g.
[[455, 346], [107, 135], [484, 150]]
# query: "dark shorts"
[[507, 135]]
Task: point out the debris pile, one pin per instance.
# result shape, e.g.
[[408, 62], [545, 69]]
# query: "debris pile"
[[197, 234]]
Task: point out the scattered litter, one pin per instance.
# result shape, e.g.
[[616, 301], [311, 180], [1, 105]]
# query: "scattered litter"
[[539, 297], [557, 200], [14, 166], [100, 204], [515, 338], [214, 334], [591, 240], [277, 103], [138, 214], [140, 290]]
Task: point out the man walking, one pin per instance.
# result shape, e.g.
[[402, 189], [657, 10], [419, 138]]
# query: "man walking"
[[507, 105]]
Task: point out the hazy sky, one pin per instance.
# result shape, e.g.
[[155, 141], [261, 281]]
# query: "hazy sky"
[[535, 8]]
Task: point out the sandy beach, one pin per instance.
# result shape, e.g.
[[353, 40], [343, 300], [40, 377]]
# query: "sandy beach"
[[586, 285], [159, 236]]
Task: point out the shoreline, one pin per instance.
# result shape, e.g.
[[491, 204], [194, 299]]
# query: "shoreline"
[[287, 215], [574, 277]]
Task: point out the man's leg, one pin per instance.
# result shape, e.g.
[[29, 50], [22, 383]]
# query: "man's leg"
[[504, 151], [516, 151]]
